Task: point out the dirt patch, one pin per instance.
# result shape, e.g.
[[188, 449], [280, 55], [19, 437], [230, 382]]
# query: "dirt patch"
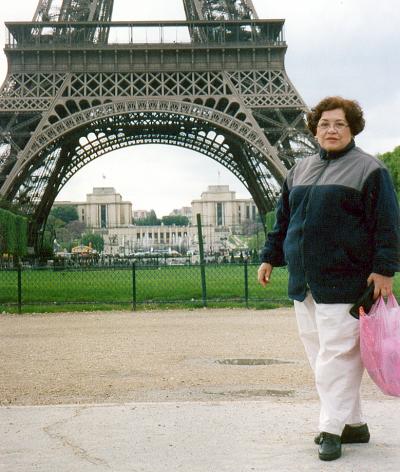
[[153, 356]]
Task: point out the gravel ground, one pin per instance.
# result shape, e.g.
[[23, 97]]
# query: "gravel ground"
[[227, 354]]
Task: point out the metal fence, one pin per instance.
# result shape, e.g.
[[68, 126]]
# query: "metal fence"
[[131, 287]]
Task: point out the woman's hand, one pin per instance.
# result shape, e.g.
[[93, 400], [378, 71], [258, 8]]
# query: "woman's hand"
[[383, 285], [264, 273]]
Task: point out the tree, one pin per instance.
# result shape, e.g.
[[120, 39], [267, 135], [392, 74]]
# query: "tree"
[[65, 213], [392, 162], [96, 241], [150, 220], [76, 228], [178, 220], [270, 220], [13, 233], [257, 239], [53, 223], [14, 208]]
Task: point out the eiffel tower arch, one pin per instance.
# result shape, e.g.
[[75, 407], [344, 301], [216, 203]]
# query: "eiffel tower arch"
[[79, 86]]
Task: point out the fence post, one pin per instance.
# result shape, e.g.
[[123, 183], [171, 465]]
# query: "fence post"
[[246, 283], [19, 288], [202, 263], [133, 286]]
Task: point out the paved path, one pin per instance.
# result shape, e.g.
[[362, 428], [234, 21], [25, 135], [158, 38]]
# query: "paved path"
[[234, 436]]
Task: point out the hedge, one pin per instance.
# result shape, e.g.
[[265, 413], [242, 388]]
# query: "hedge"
[[13, 233]]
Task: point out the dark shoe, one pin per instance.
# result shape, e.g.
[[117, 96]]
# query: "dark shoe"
[[330, 447], [352, 435]]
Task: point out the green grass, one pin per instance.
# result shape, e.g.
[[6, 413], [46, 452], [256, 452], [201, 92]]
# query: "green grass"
[[47, 290], [93, 289]]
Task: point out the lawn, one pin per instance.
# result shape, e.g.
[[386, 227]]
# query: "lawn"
[[166, 284], [94, 289]]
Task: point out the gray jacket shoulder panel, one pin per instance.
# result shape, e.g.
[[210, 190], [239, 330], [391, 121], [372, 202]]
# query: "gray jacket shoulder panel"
[[305, 171], [350, 170]]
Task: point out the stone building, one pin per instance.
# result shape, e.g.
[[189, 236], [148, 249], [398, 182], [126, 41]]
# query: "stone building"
[[223, 216], [104, 208], [138, 239], [219, 207]]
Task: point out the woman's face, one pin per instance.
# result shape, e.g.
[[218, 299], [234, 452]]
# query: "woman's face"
[[333, 132]]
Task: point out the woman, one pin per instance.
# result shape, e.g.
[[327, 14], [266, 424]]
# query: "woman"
[[337, 229]]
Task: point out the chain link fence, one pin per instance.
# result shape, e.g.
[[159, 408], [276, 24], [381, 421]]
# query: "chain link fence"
[[28, 289]]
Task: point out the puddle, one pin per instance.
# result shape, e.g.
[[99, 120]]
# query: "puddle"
[[250, 362]]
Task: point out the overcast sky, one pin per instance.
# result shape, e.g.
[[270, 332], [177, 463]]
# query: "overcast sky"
[[346, 47]]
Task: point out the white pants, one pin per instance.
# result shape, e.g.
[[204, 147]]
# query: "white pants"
[[331, 339]]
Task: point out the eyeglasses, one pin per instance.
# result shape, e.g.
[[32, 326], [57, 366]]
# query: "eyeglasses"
[[337, 126]]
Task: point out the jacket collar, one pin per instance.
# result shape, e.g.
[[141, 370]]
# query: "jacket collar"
[[326, 155]]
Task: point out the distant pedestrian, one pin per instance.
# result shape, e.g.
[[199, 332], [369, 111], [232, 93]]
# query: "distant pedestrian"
[[337, 230]]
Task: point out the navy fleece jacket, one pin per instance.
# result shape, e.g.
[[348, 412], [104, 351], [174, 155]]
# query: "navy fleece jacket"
[[336, 222]]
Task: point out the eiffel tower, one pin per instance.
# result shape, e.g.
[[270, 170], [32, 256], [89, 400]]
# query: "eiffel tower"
[[79, 86]]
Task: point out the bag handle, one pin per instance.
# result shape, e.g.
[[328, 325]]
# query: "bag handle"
[[392, 302], [378, 307]]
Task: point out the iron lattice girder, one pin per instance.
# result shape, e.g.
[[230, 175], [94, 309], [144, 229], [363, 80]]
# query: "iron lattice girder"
[[214, 89], [63, 127], [166, 128], [73, 10], [110, 133], [219, 9], [240, 89], [37, 91], [221, 89], [257, 89], [79, 34]]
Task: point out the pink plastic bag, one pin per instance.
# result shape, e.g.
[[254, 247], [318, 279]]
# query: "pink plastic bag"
[[380, 344]]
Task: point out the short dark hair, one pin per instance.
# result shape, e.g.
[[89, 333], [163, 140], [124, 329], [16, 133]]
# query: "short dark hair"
[[351, 108]]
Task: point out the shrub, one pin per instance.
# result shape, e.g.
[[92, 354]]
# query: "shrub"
[[13, 233]]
